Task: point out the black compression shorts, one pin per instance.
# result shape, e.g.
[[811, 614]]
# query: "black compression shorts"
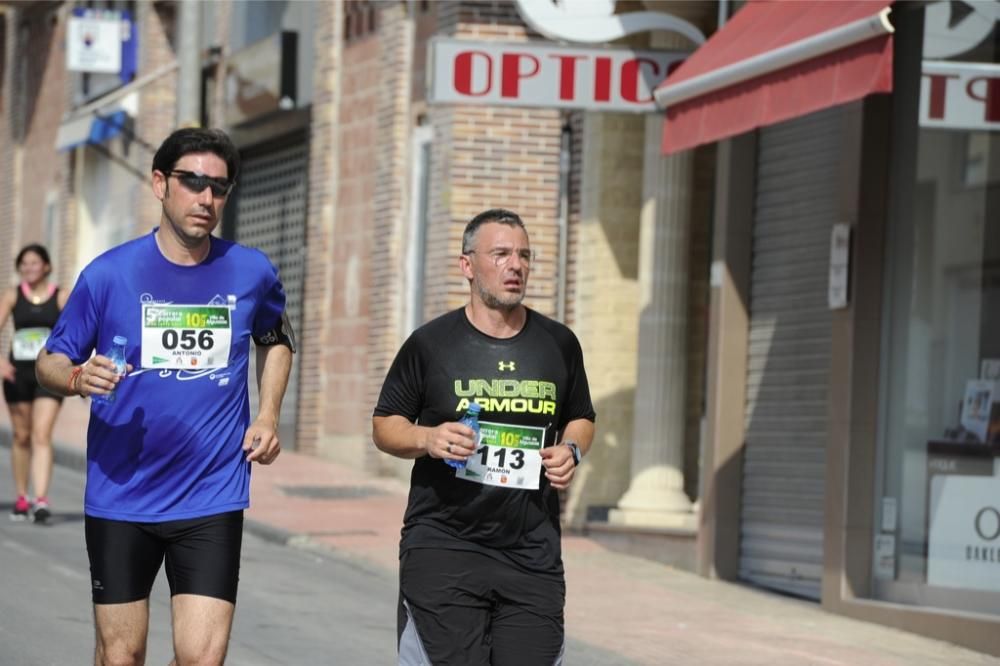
[[25, 388], [202, 556], [462, 607]]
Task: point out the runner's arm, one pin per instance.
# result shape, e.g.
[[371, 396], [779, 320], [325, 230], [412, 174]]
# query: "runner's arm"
[[560, 467], [274, 364], [580, 431], [56, 372], [53, 372], [397, 436]]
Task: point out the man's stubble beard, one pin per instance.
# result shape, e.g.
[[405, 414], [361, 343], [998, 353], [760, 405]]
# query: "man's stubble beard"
[[495, 302]]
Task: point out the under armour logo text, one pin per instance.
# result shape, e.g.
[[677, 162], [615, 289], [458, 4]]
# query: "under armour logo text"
[[509, 366]]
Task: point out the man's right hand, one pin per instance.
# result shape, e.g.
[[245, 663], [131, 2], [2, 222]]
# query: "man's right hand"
[[449, 441], [99, 376]]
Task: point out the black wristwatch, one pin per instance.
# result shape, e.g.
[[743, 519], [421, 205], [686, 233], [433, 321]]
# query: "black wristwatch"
[[577, 455]]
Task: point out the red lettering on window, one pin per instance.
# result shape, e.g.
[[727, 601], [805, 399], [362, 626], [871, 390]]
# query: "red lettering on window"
[[938, 96], [991, 110]]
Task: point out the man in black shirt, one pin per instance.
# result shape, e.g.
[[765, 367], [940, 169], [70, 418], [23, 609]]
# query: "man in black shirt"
[[481, 575]]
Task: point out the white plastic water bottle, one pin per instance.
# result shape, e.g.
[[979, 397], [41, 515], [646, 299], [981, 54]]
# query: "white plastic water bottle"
[[117, 356], [470, 419]]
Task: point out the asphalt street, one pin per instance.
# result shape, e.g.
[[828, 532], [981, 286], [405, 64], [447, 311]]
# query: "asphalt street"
[[300, 605], [295, 606]]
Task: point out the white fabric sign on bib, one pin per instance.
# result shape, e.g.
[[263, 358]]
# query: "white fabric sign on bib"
[[185, 337], [28, 342], [508, 456]]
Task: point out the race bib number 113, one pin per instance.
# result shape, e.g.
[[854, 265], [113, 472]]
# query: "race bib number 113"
[[507, 456]]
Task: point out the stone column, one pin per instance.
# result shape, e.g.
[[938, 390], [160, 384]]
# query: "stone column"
[[655, 497]]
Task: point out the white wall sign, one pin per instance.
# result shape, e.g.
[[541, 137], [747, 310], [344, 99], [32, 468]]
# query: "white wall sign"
[[94, 44], [964, 534], [532, 74], [960, 95], [840, 266], [889, 514], [885, 556]]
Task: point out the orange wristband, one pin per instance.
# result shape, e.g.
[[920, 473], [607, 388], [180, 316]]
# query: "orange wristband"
[[72, 378]]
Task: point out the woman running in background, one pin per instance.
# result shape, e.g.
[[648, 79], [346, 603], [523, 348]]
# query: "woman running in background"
[[35, 305]]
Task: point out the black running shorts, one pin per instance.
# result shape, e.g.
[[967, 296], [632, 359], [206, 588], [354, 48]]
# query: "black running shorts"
[[201, 555], [462, 607], [25, 388]]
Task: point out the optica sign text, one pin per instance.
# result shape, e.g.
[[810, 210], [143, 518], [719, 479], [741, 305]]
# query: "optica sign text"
[[531, 74]]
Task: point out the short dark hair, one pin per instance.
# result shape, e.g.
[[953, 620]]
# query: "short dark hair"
[[189, 140], [37, 249], [495, 215]]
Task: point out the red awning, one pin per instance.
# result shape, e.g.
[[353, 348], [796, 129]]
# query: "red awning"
[[774, 61]]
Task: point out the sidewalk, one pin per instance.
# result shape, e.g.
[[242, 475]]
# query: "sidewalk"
[[641, 610]]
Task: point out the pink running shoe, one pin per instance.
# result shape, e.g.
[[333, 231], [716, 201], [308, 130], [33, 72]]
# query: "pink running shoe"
[[22, 507]]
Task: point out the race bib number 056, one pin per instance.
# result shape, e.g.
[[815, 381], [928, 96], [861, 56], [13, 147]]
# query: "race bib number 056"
[[189, 337], [508, 456]]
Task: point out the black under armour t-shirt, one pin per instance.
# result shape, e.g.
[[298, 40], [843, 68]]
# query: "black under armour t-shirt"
[[533, 380]]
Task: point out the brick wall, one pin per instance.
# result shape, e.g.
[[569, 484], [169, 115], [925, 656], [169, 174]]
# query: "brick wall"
[[348, 410], [324, 169], [359, 205], [481, 158], [157, 106], [391, 222], [491, 157], [605, 296], [39, 79], [33, 177], [44, 100], [8, 58], [8, 201]]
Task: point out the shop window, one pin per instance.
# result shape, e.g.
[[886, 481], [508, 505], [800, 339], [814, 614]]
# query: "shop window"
[[937, 529]]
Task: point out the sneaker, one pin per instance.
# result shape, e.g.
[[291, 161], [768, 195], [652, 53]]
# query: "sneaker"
[[42, 511], [22, 507]]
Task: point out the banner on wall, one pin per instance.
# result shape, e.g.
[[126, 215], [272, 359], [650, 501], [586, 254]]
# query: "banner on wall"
[[545, 75], [101, 41]]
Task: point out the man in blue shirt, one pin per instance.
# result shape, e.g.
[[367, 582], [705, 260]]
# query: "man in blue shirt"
[[170, 442]]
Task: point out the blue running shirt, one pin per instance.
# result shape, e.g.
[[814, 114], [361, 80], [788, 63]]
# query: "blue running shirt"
[[170, 445]]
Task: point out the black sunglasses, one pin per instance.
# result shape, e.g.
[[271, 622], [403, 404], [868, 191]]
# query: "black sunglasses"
[[197, 182]]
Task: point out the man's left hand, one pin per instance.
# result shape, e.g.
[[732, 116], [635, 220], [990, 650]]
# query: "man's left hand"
[[559, 465], [261, 442]]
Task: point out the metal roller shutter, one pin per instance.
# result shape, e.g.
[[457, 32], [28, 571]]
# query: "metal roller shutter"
[[781, 540], [270, 215]]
